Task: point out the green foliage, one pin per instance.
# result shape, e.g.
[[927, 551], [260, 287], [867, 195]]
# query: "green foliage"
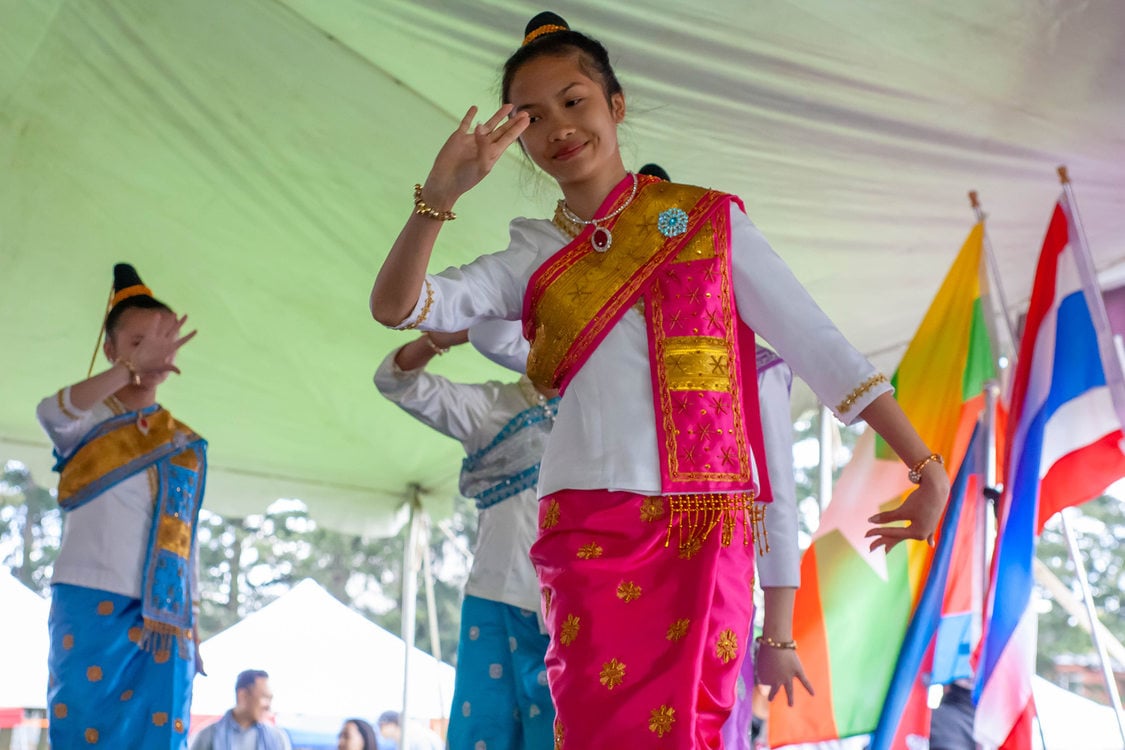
[[30, 527], [1098, 526], [245, 563]]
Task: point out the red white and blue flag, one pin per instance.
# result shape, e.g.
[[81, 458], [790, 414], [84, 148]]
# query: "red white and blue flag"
[[1065, 446]]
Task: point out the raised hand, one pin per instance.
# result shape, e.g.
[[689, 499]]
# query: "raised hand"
[[157, 351], [470, 153], [922, 509]]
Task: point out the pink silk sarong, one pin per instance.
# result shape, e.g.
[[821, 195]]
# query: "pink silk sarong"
[[649, 612]]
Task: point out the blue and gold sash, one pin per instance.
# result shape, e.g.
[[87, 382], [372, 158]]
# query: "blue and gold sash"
[[176, 459], [509, 464]]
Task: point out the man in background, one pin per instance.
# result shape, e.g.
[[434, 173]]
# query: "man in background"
[[244, 727]]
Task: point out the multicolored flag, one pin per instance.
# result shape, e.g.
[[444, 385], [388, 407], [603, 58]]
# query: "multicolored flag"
[[1065, 447], [854, 605], [944, 609]]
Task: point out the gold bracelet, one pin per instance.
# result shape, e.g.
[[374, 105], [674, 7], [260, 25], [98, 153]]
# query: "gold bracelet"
[[916, 471], [134, 376], [765, 640], [423, 209], [438, 350]]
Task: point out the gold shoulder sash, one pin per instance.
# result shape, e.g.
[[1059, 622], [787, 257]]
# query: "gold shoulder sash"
[[577, 296]]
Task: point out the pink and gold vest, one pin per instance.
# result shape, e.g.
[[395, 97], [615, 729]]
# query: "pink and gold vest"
[[672, 248]]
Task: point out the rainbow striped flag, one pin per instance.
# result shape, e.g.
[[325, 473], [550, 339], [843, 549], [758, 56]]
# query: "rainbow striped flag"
[[854, 605]]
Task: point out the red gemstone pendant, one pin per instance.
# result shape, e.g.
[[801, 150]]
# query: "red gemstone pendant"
[[602, 239]]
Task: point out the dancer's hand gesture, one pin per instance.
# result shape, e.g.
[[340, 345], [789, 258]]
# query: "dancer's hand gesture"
[[156, 353], [470, 154], [922, 509], [776, 668]]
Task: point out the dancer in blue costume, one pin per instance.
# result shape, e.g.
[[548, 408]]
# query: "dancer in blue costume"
[[501, 699], [122, 622]]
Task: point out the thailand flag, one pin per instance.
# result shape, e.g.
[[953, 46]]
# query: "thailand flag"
[[1065, 446]]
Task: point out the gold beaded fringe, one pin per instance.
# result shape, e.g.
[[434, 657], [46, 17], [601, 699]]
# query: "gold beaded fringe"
[[699, 514]]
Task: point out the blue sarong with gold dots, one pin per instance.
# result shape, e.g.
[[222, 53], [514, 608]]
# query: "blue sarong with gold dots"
[[500, 697], [105, 689]]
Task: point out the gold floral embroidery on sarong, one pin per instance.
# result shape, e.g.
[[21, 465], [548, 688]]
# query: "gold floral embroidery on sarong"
[[652, 508], [628, 591], [546, 601], [590, 551], [560, 734], [727, 647], [569, 630], [678, 629], [661, 720], [613, 674], [551, 515]]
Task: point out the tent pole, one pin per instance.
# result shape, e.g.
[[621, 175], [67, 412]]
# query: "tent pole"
[[409, 599], [1095, 624], [431, 601], [825, 469], [431, 604]]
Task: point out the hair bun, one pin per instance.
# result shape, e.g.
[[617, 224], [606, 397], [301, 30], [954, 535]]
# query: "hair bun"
[[544, 23], [654, 170]]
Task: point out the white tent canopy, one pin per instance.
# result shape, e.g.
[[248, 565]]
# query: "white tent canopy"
[[1071, 722], [23, 633], [254, 159], [324, 660]]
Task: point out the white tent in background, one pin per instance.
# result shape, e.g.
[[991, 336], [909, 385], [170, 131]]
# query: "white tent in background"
[[23, 631], [324, 660], [1071, 722]]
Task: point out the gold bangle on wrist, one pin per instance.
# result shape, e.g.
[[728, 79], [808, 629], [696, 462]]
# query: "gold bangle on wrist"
[[916, 470], [134, 376], [423, 209], [765, 640], [438, 350]]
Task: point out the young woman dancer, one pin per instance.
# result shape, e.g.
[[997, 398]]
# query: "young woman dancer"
[[638, 298]]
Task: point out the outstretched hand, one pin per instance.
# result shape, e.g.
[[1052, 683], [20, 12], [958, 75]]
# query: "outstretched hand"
[[157, 351], [922, 509], [470, 153], [776, 668]]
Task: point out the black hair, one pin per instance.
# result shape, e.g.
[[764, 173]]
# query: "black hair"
[[389, 717], [366, 731], [655, 170], [141, 302], [592, 56], [248, 677]]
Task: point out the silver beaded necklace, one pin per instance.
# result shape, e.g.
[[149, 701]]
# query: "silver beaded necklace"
[[602, 238]]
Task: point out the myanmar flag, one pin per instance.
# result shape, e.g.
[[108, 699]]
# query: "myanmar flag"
[[854, 605]]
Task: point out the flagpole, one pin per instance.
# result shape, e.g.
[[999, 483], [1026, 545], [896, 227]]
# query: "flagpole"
[[994, 269], [1115, 380], [985, 510], [1107, 342], [1091, 613]]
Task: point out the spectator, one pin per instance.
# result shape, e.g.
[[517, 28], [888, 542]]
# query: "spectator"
[[356, 734], [418, 738], [244, 727]]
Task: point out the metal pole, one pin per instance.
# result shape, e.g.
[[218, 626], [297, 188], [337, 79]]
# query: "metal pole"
[[994, 269], [431, 601], [409, 597], [985, 517], [1091, 613], [826, 444]]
